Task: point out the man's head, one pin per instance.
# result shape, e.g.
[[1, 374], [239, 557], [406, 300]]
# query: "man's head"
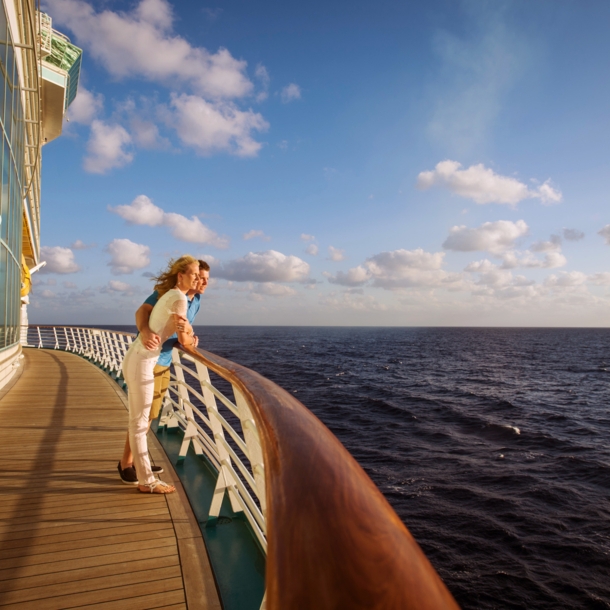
[[204, 277]]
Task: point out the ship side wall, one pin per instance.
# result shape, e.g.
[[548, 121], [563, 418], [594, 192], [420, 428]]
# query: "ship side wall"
[[12, 177]]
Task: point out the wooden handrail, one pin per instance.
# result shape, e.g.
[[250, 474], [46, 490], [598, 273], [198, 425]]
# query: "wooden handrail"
[[334, 542]]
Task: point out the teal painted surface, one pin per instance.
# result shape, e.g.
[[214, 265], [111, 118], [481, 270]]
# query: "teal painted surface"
[[236, 558]]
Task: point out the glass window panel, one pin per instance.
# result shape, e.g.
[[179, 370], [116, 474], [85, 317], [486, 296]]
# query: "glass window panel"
[[9, 300], [17, 220], [4, 192], [2, 37], [3, 295], [8, 102], [12, 210], [15, 302]]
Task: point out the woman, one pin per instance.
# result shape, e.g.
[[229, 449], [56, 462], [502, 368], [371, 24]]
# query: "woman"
[[167, 317]]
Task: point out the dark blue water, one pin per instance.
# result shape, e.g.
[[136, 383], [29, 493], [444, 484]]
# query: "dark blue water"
[[493, 445]]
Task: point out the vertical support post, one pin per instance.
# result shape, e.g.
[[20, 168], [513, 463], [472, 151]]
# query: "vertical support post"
[[67, 340], [225, 478], [56, 339], [39, 338], [255, 450], [190, 434]]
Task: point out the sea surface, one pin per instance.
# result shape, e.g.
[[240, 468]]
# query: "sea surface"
[[492, 445]]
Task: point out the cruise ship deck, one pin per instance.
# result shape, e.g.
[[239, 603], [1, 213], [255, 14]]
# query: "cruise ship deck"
[[72, 535]]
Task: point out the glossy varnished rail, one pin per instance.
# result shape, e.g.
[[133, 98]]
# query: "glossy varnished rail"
[[334, 542], [71, 535]]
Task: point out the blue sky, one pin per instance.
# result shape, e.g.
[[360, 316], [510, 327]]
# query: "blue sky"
[[440, 163]]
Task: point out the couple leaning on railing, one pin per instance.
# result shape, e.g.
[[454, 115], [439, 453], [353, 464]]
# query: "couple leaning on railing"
[[331, 538], [164, 319]]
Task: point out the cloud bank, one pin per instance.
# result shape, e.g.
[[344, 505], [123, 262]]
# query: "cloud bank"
[[483, 185], [142, 211], [269, 266], [127, 256]]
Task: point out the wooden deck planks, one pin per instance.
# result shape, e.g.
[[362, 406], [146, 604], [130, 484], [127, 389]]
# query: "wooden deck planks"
[[71, 534]]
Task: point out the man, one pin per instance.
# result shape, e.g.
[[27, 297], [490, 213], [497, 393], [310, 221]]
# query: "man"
[[162, 369]]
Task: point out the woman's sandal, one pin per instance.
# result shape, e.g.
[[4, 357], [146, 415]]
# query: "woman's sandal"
[[158, 487]]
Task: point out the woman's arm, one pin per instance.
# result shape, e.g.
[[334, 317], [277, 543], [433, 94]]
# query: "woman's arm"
[[183, 328], [186, 335]]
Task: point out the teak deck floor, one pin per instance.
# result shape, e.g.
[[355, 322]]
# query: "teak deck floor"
[[71, 534]]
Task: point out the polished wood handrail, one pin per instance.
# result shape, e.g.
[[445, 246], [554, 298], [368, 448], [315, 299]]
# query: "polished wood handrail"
[[334, 542]]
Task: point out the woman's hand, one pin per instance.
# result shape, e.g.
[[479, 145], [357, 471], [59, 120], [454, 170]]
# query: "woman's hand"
[[186, 335], [182, 324]]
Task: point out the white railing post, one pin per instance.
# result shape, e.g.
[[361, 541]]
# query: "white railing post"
[[39, 338], [253, 443], [190, 434], [225, 479], [56, 339]]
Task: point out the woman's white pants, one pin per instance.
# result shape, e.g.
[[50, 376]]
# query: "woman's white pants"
[[138, 367]]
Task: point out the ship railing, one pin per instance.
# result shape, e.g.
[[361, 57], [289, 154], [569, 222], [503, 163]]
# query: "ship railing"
[[330, 537]]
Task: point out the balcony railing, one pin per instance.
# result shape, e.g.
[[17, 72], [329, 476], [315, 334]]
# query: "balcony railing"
[[331, 538]]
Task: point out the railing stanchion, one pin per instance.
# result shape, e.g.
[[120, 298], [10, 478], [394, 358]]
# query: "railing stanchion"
[[254, 447], [190, 434], [225, 479]]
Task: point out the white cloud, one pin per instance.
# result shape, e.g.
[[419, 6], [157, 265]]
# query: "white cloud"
[[210, 127], [357, 276], [573, 234], [352, 301], [264, 79], [553, 245], [256, 233], [48, 294], [85, 107], [605, 233], [269, 266], [59, 260], [312, 249], [600, 279], [127, 256], [142, 211], [566, 279], [306, 237], [118, 287], [483, 185], [69, 285], [80, 245], [406, 268], [274, 290], [146, 134], [335, 254], [495, 237], [290, 93], [399, 269], [107, 148], [490, 274], [140, 43], [192, 230], [551, 260]]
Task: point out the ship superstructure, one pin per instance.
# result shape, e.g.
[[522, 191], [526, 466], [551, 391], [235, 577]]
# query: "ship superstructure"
[[40, 72]]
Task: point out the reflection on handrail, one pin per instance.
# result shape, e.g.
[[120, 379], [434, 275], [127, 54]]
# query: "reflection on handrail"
[[331, 538]]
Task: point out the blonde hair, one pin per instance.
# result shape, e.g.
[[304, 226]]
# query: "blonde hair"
[[168, 279]]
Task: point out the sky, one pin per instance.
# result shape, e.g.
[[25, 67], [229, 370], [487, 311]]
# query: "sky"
[[438, 163]]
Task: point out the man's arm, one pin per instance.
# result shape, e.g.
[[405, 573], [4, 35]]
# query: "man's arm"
[[150, 340]]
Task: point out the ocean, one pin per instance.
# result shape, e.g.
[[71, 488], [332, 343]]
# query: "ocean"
[[492, 444]]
